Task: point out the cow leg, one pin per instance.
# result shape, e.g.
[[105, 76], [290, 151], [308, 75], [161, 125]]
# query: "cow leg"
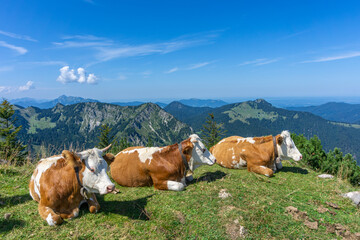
[[94, 206], [261, 170], [169, 185], [49, 215]]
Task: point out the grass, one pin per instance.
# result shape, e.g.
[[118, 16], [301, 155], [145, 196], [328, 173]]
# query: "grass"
[[244, 111], [257, 203]]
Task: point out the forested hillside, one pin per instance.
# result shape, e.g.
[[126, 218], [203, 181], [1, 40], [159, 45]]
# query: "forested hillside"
[[79, 124], [334, 111], [257, 118]]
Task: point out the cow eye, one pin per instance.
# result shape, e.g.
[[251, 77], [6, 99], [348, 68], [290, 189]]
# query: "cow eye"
[[204, 150], [92, 169]]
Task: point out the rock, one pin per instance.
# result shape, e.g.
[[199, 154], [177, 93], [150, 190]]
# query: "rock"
[[224, 194], [333, 205], [7, 216], [326, 176], [311, 225], [354, 196], [235, 230]]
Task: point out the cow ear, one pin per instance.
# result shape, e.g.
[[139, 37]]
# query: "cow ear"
[[188, 148], [109, 158], [71, 158], [280, 140]]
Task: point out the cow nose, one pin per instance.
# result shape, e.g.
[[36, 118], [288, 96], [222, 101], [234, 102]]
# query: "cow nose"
[[300, 157], [215, 160], [110, 188]]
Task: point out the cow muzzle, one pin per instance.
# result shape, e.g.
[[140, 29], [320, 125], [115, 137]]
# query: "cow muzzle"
[[110, 188]]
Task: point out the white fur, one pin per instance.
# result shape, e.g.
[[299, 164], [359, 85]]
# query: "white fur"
[[241, 164], [249, 139], [97, 181], [288, 150], [198, 157], [263, 167], [175, 186], [145, 153], [43, 166], [50, 220]]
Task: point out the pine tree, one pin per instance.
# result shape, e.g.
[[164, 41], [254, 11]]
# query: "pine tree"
[[11, 148], [121, 145], [211, 132], [150, 142], [106, 137]]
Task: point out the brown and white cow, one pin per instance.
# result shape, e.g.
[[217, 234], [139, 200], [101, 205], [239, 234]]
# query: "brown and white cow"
[[61, 183], [261, 155], [163, 167]]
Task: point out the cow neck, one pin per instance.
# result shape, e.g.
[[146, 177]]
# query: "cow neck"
[[83, 190], [183, 157], [276, 154]]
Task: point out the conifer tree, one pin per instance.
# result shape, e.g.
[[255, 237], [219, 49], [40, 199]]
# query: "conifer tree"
[[211, 132], [106, 137], [150, 142], [11, 148], [121, 145]]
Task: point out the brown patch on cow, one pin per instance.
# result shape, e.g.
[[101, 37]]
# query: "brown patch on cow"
[[257, 156], [127, 169], [333, 205], [72, 159], [109, 158], [234, 230], [279, 140]]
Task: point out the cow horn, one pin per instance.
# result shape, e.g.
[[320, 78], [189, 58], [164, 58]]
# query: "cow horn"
[[105, 149]]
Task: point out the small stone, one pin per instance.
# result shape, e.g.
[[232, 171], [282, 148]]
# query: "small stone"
[[224, 194], [325, 176], [354, 196], [7, 216], [243, 232]]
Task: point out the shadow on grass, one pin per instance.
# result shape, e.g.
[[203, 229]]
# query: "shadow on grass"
[[14, 200], [8, 225], [134, 209], [294, 170], [9, 172], [209, 177]]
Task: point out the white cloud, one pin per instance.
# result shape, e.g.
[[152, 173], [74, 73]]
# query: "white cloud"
[[198, 65], [9, 89], [333, 58], [27, 86], [19, 50], [259, 62], [173, 70], [68, 75], [17, 36]]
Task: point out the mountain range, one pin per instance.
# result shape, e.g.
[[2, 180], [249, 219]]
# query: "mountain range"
[[78, 125], [334, 111], [259, 118]]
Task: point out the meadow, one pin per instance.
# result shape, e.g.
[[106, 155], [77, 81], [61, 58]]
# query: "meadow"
[[255, 202]]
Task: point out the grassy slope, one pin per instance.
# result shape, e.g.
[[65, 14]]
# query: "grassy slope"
[[257, 202]]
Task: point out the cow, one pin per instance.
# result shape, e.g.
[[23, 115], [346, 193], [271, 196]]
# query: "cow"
[[163, 167], [261, 155], [61, 183]]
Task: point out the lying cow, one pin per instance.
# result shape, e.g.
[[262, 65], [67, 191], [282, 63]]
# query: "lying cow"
[[62, 183], [163, 167], [261, 155]]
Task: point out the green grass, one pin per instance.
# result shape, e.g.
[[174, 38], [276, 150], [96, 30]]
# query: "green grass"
[[42, 123], [244, 111], [197, 213]]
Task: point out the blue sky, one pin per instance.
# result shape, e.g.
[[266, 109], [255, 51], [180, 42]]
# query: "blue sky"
[[153, 50]]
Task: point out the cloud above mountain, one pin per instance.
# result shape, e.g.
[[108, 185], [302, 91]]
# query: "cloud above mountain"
[[68, 75]]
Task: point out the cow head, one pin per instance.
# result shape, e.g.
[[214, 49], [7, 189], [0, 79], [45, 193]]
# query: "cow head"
[[200, 155], [287, 148], [95, 178]]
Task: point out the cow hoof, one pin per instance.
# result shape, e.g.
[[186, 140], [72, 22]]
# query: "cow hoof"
[[189, 178], [54, 220], [93, 209]]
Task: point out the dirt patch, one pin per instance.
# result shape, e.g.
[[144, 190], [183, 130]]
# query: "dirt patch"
[[297, 214], [234, 230], [333, 205], [311, 225], [322, 209], [180, 216]]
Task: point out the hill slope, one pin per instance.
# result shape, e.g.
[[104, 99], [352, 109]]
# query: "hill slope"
[[79, 124], [334, 111], [257, 203], [259, 118]]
